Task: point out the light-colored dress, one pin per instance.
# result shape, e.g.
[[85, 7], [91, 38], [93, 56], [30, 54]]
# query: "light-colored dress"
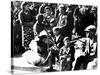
[[32, 56]]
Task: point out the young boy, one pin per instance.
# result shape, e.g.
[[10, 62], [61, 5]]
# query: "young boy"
[[65, 56]]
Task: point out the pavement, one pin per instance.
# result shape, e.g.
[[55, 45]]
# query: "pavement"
[[20, 66]]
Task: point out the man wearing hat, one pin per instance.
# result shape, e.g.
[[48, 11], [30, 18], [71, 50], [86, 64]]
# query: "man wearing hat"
[[85, 49], [91, 46], [91, 30]]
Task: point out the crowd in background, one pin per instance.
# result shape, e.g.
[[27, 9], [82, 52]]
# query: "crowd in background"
[[62, 29]]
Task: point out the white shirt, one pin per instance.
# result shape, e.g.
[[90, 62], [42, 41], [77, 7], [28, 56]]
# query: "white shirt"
[[57, 37]]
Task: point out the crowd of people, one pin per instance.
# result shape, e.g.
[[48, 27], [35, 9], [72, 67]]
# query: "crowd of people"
[[51, 32]]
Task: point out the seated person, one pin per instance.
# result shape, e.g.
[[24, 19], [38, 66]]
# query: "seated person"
[[65, 56], [54, 50]]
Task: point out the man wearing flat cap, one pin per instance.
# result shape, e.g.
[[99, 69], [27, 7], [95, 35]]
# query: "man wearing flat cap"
[[91, 46]]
